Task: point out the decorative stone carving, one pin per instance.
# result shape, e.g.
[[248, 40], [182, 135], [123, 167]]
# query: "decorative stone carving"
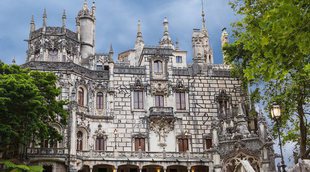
[[159, 87]]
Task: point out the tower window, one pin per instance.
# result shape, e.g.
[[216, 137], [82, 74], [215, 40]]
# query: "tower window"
[[99, 100], [139, 144], [180, 100], [208, 143], [99, 143], [178, 59], [79, 142], [158, 66], [138, 99], [159, 100], [81, 96], [183, 144]]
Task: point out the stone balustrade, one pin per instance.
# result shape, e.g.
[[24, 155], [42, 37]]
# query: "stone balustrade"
[[146, 156], [161, 111], [47, 152]]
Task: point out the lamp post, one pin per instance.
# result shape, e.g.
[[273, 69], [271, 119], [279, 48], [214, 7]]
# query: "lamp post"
[[115, 134], [276, 115]]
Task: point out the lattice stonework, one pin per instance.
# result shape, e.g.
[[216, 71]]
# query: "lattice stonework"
[[234, 164]]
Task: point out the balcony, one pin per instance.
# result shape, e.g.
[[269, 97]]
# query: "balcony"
[[145, 156], [161, 111], [47, 152]]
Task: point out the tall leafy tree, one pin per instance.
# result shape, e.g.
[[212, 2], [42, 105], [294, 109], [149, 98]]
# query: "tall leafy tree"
[[272, 49], [28, 107]]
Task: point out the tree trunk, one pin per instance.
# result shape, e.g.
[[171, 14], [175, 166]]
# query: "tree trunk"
[[302, 128]]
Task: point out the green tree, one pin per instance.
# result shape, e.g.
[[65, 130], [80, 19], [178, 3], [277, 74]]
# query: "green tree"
[[28, 107], [272, 49]]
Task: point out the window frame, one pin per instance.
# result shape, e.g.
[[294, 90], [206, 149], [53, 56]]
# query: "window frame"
[[138, 144], [178, 59], [181, 146], [100, 101], [81, 96], [159, 101], [138, 99], [158, 66], [100, 143], [79, 141], [180, 100]]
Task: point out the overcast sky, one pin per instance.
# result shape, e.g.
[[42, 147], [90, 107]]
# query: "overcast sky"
[[116, 22]]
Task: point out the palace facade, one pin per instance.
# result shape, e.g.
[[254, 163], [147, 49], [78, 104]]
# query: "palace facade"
[[147, 111]]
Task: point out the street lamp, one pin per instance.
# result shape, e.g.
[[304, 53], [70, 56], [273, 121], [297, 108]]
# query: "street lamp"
[[115, 134], [276, 115]]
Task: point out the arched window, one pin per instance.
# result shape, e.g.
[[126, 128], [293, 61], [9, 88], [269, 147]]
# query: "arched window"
[[79, 142], [81, 96], [158, 66], [99, 100], [100, 143]]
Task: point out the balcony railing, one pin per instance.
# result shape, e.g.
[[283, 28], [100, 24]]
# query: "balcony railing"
[[147, 156], [161, 111], [47, 151]]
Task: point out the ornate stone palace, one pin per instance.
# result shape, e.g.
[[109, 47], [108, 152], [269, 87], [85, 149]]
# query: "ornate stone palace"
[[149, 111]]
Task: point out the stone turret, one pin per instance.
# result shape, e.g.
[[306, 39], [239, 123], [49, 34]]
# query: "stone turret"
[[224, 41], [139, 40], [202, 51], [86, 31], [166, 40]]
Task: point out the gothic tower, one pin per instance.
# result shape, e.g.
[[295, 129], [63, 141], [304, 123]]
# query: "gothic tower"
[[85, 22]]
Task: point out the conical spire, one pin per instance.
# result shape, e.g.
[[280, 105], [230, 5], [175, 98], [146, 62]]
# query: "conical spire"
[[85, 6], [93, 9], [44, 18], [32, 24], [165, 23], [111, 53], [139, 38], [166, 40], [203, 16], [111, 49], [64, 18], [14, 60]]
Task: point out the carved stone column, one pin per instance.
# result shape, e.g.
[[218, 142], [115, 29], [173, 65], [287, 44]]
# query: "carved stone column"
[[73, 109]]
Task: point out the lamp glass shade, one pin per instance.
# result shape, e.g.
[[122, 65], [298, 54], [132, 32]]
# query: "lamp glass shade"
[[275, 111]]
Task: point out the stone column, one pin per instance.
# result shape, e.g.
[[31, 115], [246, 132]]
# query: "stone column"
[[73, 109]]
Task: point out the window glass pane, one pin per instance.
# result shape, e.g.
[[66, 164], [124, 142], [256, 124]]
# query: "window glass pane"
[[179, 59], [138, 100], [159, 101], [99, 100], [158, 66]]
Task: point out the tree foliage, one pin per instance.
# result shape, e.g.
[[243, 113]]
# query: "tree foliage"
[[28, 107], [12, 167], [272, 49]]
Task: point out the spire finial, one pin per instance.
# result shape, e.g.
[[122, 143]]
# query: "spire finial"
[[85, 5], [93, 8], [44, 17], [177, 44], [166, 32], [111, 49], [203, 16], [139, 38], [14, 60], [32, 24], [64, 17]]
